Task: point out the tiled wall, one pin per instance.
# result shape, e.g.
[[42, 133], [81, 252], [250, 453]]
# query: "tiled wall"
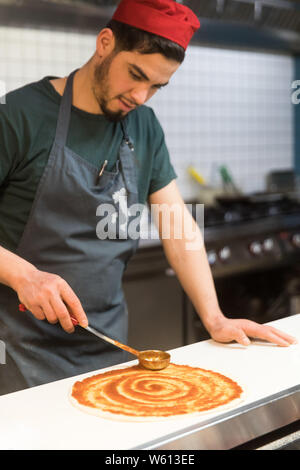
[[221, 107]]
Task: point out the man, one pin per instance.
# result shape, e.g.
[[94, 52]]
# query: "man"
[[69, 146]]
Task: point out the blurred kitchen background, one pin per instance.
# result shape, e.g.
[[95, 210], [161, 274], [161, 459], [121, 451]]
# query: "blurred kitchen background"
[[231, 119]]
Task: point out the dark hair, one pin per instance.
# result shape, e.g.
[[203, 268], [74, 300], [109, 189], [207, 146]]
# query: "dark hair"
[[129, 38]]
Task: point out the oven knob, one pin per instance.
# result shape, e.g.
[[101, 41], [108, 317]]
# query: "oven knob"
[[225, 253], [212, 257], [296, 240], [255, 248], [268, 244]]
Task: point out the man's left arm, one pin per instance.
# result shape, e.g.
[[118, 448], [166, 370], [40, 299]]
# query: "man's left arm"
[[185, 250]]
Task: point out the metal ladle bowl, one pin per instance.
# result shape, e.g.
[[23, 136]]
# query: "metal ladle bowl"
[[154, 359]]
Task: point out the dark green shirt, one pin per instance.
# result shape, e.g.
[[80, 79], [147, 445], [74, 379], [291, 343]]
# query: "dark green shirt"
[[27, 129]]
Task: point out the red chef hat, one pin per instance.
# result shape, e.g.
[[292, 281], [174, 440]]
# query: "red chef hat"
[[165, 18]]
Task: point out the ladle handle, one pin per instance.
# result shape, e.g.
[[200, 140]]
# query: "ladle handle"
[[106, 338], [75, 322]]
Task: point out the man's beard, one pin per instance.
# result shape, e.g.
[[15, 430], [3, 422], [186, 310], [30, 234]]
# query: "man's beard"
[[101, 89]]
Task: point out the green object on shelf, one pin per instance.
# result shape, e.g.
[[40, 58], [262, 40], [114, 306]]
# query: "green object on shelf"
[[227, 179]]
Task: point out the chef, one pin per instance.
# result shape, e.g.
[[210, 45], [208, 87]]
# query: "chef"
[[68, 146]]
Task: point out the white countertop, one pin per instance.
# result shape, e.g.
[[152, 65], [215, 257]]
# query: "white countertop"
[[43, 418]]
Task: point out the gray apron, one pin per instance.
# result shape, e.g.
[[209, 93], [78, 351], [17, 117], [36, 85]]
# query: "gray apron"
[[60, 237]]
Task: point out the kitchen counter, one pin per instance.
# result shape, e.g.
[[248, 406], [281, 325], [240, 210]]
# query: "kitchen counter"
[[43, 417]]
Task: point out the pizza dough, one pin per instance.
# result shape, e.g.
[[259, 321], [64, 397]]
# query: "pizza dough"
[[137, 394]]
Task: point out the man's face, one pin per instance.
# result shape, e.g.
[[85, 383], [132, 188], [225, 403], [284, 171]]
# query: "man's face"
[[126, 80]]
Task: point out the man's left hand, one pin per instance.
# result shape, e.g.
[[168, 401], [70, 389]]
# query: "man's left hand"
[[226, 330]]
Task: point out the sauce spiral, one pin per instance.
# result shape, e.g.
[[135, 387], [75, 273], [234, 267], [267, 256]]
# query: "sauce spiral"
[[137, 392]]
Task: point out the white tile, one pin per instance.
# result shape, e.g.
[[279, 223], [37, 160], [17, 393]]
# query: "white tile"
[[221, 107]]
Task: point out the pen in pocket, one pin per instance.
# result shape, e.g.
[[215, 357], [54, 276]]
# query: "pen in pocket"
[[102, 169]]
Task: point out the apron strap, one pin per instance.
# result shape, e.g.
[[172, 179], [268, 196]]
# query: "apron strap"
[[64, 114], [129, 164], [124, 130]]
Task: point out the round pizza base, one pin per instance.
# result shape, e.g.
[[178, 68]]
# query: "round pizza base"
[[127, 418]]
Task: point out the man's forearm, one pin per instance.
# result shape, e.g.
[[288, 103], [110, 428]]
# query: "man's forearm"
[[193, 271], [13, 268]]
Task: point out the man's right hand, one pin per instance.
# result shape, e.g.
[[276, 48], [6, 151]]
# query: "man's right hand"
[[46, 295], [49, 297]]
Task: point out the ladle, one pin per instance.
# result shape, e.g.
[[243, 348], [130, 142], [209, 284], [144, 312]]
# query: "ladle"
[[150, 359]]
